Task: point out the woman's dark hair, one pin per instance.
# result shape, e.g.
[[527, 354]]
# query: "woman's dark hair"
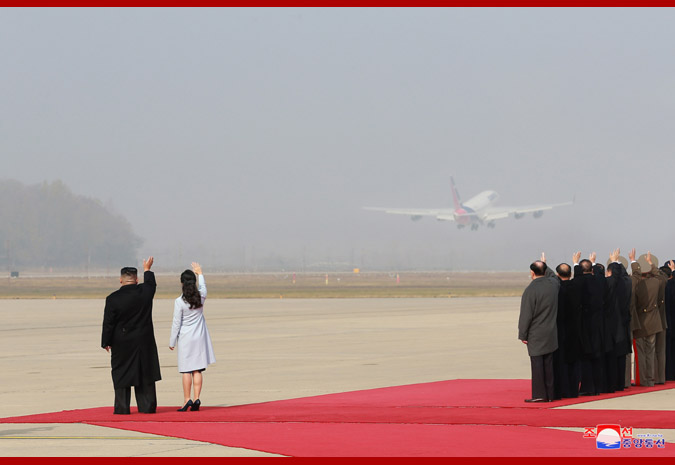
[[190, 292]]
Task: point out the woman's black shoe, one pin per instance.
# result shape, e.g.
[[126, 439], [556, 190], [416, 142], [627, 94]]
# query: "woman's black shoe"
[[186, 406], [195, 405]]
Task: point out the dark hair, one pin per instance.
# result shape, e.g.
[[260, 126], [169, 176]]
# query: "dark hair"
[[129, 271], [190, 292], [615, 268], [586, 266], [666, 270], [538, 267], [564, 270]]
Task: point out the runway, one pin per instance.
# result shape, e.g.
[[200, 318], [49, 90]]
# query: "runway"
[[267, 350]]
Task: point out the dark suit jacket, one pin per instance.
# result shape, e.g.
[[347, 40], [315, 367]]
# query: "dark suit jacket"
[[670, 307], [128, 330], [663, 280], [618, 337], [593, 290], [569, 319]]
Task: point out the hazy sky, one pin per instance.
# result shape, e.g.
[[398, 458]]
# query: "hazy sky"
[[234, 136]]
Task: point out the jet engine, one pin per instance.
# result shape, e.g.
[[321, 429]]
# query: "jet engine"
[[416, 217], [518, 215], [538, 213]]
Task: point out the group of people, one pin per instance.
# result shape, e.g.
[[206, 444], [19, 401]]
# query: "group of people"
[[129, 336], [581, 324]]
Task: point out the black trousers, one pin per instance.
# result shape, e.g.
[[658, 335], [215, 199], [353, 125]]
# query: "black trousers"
[[670, 359], [542, 377], [593, 376], [620, 372], [611, 372], [146, 399], [566, 376]]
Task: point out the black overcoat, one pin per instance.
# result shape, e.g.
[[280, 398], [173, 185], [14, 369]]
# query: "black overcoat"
[[617, 334], [670, 308], [569, 319], [593, 289], [627, 315], [128, 330]]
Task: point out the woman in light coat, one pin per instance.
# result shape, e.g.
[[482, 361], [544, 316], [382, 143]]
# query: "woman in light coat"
[[190, 334]]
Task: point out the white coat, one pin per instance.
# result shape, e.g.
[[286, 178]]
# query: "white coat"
[[190, 334]]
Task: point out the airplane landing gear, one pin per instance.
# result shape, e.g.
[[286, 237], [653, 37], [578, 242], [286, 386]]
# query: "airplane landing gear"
[[474, 227]]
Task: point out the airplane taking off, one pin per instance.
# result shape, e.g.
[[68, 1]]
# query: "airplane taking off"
[[474, 212]]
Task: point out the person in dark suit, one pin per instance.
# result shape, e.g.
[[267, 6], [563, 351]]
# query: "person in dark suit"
[[670, 320], [566, 368], [660, 342], [128, 334], [593, 288], [537, 328], [646, 303], [618, 338]]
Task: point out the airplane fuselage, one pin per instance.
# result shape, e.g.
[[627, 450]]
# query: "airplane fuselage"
[[469, 211]]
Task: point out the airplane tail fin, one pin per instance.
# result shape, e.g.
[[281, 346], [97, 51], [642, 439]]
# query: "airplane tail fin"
[[455, 195]]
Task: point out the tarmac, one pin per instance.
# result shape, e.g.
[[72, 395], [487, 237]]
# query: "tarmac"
[[271, 349]]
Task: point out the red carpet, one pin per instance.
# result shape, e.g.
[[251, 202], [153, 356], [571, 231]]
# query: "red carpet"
[[457, 417], [390, 440]]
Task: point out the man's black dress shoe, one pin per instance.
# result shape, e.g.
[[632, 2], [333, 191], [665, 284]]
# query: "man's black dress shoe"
[[195, 405], [537, 399], [186, 406]]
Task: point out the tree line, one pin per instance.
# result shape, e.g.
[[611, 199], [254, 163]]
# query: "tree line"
[[48, 226]]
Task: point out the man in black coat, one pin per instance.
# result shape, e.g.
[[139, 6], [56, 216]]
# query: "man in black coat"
[[660, 343], [618, 336], [128, 334], [593, 289], [566, 360], [670, 320]]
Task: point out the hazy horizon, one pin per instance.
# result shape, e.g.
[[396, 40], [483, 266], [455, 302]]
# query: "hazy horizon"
[[252, 138]]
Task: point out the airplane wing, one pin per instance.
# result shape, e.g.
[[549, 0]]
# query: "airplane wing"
[[497, 213], [445, 214]]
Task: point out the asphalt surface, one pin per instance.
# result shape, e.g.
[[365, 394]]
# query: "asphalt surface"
[[266, 350]]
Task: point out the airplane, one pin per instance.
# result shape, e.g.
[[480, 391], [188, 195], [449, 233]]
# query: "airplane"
[[478, 210]]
